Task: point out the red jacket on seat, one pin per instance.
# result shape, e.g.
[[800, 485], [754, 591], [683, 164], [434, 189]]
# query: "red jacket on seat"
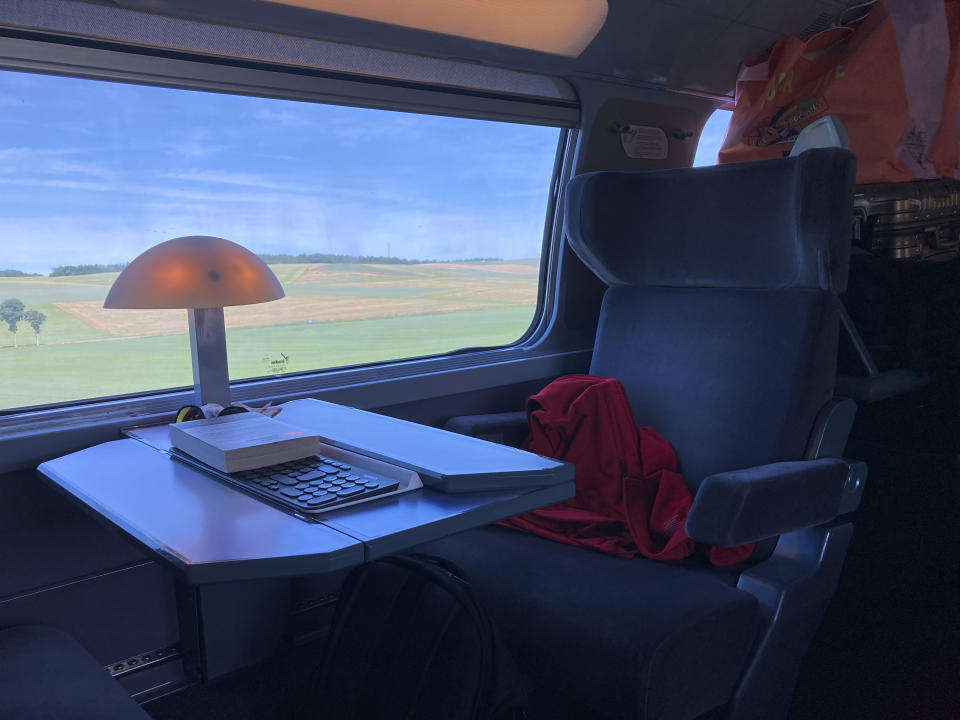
[[629, 498]]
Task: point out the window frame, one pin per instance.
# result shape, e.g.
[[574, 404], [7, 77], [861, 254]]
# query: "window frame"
[[55, 427]]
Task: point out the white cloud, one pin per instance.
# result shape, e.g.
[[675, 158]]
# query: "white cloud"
[[26, 153], [63, 167], [226, 177], [200, 143], [285, 118], [118, 187], [369, 188]]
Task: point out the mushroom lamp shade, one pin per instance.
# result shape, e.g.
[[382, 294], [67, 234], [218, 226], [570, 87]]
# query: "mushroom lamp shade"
[[203, 275], [194, 272]]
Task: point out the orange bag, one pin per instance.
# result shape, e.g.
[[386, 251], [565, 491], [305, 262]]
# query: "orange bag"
[[886, 80], [946, 149]]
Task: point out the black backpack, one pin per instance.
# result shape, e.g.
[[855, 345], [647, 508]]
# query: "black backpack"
[[410, 642]]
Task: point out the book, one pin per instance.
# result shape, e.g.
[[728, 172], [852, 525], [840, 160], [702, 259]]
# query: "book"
[[243, 441]]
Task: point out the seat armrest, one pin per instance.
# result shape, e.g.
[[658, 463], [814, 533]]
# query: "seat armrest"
[[744, 506], [505, 428]]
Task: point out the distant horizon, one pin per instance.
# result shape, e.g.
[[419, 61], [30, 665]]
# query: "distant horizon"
[[293, 260]]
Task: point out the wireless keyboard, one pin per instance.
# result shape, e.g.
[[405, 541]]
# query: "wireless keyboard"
[[309, 486]]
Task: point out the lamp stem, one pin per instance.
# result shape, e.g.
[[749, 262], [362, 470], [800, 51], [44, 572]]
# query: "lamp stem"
[[208, 350]]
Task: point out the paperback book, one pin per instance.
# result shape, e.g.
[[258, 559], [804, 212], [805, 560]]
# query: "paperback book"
[[243, 441]]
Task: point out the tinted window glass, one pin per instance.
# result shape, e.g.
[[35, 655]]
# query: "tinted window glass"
[[712, 138], [395, 235]]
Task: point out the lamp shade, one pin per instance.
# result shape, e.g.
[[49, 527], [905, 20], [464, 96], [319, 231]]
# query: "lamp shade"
[[194, 272]]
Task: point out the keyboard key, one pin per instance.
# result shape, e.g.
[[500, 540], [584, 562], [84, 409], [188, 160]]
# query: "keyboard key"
[[316, 482]]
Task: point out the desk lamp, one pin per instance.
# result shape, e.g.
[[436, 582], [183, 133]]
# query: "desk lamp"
[[202, 274]]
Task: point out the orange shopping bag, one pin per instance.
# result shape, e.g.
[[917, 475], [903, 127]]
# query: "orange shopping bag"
[[946, 153], [886, 80]]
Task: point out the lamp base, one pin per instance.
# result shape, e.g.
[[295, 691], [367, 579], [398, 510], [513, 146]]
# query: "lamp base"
[[208, 351]]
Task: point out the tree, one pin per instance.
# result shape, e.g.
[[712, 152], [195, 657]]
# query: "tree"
[[11, 312], [35, 319]]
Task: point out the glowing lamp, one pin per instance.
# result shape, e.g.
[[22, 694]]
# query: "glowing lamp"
[[561, 27], [203, 275]]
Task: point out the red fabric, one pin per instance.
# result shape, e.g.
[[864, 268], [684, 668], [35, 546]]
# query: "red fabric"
[[629, 499]]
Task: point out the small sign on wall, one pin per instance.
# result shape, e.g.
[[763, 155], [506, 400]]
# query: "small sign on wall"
[[643, 142]]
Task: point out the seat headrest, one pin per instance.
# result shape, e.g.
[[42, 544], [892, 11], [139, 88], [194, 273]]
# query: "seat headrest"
[[774, 224]]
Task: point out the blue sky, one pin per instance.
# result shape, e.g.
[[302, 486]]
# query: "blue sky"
[[96, 172], [712, 138]]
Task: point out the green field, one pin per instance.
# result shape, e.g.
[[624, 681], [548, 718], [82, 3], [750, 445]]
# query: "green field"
[[333, 316]]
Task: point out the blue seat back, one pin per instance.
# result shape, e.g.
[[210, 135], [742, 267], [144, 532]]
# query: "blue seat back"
[[721, 319]]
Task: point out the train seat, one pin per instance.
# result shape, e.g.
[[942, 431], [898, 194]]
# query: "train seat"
[[46, 675], [721, 321]]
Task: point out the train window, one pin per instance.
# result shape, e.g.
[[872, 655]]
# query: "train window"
[[395, 234], [712, 138]]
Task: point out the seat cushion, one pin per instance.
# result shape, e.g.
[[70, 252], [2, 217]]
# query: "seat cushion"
[[631, 638], [46, 675]]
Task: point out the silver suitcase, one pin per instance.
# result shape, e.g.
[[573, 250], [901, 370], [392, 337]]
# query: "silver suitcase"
[[918, 221]]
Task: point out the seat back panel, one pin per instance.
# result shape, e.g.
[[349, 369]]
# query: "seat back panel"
[[732, 378]]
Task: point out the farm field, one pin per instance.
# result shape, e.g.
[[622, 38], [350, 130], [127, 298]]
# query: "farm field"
[[333, 316]]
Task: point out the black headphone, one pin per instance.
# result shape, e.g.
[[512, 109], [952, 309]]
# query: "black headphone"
[[194, 412]]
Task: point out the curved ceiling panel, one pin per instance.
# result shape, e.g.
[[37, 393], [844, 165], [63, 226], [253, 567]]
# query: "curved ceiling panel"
[[684, 45], [559, 27]]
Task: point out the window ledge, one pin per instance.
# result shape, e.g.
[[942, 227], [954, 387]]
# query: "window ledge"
[[33, 436]]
